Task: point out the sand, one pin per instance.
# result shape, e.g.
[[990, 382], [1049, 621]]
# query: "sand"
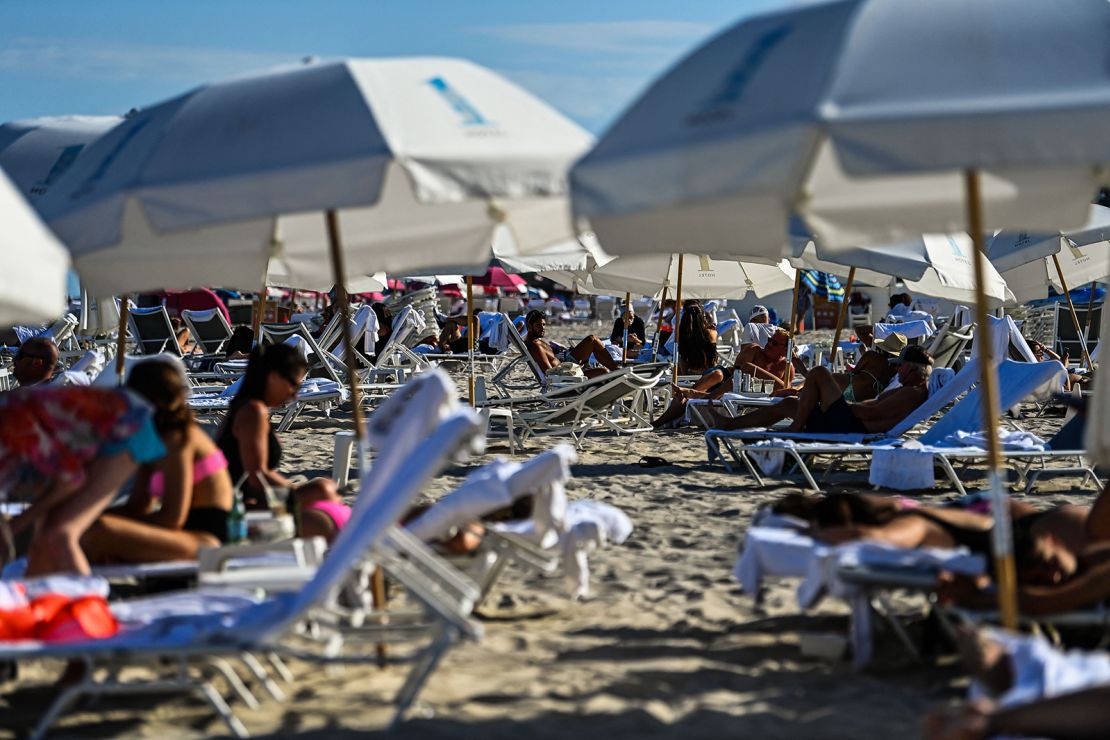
[[666, 645]]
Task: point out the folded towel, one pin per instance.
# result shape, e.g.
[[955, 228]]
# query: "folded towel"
[[769, 462], [1042, 671], [1010, 439], [906, 468]]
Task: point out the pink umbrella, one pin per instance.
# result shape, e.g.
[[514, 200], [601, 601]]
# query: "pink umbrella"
[[496, 277]]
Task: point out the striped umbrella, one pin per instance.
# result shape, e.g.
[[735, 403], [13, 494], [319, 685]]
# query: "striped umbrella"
[[824, 285]]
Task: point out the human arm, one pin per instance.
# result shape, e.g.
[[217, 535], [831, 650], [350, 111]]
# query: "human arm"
[[1098, 520], [252, 432], [177, 494]]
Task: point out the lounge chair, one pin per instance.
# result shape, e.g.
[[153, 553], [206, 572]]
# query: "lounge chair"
[[209, 329], [152, 331], [174, 631], [1017, 382]]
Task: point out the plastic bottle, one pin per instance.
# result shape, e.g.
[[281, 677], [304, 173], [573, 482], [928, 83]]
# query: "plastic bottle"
[[237, 520]]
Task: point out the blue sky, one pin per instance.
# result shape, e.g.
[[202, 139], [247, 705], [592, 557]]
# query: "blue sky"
[[589, 59]]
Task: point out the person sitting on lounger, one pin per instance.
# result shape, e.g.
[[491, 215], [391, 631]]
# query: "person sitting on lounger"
[[253, 451], [761, 363], [697, 340], [864, 382], [637, 334], [823, 409], [549, 359], [191, 482], [35, 361]]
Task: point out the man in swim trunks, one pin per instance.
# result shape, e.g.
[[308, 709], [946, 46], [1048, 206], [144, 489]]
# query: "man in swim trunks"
[[823, 409], [548, 359]]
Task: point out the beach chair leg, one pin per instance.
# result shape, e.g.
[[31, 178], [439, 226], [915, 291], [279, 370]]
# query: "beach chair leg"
[[209, 694], [751, 466], [805, 470], [259, 672], [887, 610], [235, 683], [60, 704], [951, 473], [421, 670]]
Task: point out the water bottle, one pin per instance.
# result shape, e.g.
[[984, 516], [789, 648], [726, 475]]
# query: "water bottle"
[[237, 520]]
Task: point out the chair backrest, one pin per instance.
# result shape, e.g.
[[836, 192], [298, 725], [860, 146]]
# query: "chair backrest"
[[509, 305], [153, 331], [605, 307], [517, 342], [949, 344], [1016, 382], [1067, 339], [367, 527], [209, 329], [299, 335]]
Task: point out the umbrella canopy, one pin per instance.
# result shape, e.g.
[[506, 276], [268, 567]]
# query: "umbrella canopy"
[[497, 278], [1010, 249], [422, 158], [33, 264], [575, 255], [37, 151], [702, 277], [861, 116]]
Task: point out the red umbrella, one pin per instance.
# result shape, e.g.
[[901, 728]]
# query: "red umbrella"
[[198, 299], [496, 277]]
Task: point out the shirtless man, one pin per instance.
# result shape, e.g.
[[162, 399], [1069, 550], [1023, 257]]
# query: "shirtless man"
[[822, 408], [866, 381], [548, 359], [35, 361]]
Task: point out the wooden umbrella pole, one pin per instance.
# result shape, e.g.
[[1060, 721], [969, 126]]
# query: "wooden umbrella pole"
[[471, 329], [1002, 537], [261, 309], [121, 340], [1090, 310], [377, 580], [793, 323], [1071, 309], [842, 316], [677, 315], [628, 309]]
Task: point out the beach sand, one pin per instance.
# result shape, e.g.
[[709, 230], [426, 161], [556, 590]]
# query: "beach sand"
[[666, 645]]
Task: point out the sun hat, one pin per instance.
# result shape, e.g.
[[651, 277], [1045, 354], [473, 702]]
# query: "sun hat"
[[893, 344]]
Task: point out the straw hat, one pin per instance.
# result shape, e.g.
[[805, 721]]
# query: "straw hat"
[[892, 345]]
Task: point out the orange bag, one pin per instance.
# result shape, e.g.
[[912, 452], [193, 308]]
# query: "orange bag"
[[57, 618]]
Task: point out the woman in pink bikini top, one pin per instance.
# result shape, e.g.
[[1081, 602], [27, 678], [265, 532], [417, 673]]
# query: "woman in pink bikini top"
[[178, 504]]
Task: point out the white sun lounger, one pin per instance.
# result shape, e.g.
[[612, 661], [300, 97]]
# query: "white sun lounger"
[[231, 625]]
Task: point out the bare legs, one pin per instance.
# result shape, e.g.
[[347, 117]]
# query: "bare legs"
[[56, 547], [820, 390], [764, 416], [677, 408], [117, 539], [591, 345]]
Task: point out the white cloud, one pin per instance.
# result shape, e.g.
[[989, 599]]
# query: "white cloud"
[[91, 59], [612, 37]]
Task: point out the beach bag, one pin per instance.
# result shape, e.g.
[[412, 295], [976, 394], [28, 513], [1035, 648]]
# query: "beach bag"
[[567, 370]]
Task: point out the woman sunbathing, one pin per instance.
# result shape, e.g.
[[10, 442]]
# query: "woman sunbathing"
[[72, 447], [191, 482], [253, 451]]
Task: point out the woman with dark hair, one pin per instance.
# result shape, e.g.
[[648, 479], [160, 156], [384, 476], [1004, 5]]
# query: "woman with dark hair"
[[191, 482], [253, 451], [385, 327], [697, 341]]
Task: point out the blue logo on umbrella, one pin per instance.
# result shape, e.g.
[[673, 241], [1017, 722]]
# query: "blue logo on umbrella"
[[469, 114], [734, 84]]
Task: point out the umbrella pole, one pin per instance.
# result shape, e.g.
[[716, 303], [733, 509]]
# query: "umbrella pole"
[[377, 582], [793, 323], [627, 307], [1002, 537], [121, 340], [658, 327], [1071, 309], [1087, 318], [261, 310], [472, 327], [842, 316], [677, 315]]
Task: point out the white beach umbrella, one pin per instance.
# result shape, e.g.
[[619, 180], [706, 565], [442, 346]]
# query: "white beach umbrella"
[[33, 264], [37, 151], [421, 159], [702, 277], [576, 255], [1078, 265], [876, 120], [848, 112]]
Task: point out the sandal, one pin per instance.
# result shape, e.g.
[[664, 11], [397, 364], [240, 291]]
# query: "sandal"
[[654, 461]]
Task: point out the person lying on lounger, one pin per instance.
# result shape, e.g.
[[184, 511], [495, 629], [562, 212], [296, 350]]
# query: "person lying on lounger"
[[550, 360]]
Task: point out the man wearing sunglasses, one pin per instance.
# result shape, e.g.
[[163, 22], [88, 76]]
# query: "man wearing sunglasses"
[[34, 363]]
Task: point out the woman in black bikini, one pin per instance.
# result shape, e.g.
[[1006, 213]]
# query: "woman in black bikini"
[[191, 482], [274, 375]]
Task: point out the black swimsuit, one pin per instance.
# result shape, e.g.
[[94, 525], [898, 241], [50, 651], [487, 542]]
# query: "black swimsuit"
[[210, 519], [253, 494]]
